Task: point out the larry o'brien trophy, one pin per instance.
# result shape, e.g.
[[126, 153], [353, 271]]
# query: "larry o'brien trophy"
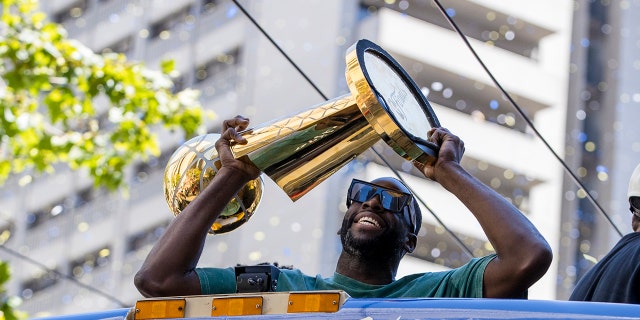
[[300, 151]]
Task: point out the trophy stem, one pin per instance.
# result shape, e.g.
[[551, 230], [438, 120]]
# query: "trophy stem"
[[306, 148], [301, 151]]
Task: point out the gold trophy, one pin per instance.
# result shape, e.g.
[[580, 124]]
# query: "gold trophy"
[[299, 152]]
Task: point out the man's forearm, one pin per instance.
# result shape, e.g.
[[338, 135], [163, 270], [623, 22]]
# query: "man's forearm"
[[173, 259], [523, 255], [502, 222]]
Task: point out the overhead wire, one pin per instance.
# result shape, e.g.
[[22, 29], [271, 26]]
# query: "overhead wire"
[[121, 303], [58, 273], [424, 204], [286, 56], [395, 172], [525, 117]]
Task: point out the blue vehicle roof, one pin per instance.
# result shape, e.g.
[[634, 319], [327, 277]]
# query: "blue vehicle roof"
[[435, 308]]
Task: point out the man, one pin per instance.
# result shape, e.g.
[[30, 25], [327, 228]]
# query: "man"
[[616, 278], [378, 229]]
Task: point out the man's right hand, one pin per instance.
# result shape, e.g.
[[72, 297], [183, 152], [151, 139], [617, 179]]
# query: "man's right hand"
[[230, 132], [169, 269], [451, 149]]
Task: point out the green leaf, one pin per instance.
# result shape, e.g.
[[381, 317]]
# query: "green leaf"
[[167, 66]]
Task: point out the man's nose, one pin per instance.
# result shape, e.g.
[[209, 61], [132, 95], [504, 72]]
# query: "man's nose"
[[374, 203]]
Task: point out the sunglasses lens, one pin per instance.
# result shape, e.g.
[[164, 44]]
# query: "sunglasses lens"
[[393, 201], [360, 192], [390, 200]]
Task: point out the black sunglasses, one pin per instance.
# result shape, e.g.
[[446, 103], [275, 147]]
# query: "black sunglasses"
[[635, 211], [391, 200], [634, 204]]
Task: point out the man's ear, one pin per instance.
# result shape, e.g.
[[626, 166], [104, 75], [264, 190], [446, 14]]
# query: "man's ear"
[[410, 242]]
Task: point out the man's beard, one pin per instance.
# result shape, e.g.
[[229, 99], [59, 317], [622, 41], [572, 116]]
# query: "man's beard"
[[388, 244]]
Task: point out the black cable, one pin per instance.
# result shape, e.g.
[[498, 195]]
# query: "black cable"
[[278, 47], [45, 268], [425, 205], [325, 97], [529, 122]]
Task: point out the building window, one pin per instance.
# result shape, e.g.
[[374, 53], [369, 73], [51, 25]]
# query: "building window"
[[123, 46], [209, 6], [218, 75], [85, 196], [514, 186], [72, 12], [38, 283], [162, 29], [50, 212], [6, 231], [59, 208], [219, 65], [498, 28], [146, 237], [440, 247], [90, 262], [178, 84]]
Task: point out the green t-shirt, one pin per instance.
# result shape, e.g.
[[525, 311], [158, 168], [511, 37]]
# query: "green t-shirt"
[[463, 282]]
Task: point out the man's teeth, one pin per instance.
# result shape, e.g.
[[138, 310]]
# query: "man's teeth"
[[367, 220]]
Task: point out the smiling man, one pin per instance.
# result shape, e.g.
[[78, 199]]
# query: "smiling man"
[[379, 228]]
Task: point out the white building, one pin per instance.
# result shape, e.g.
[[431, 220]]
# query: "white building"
[[101, 239]]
